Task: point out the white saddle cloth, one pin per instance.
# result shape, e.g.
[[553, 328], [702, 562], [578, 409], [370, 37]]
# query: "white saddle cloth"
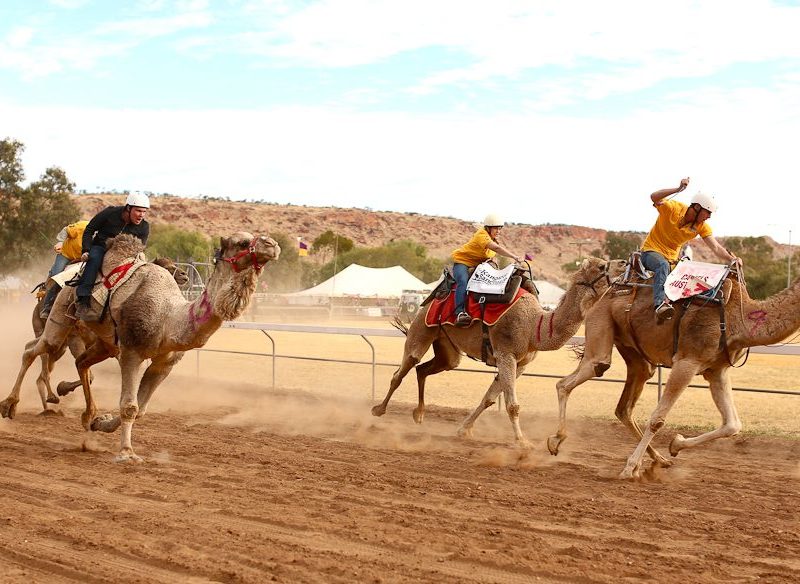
[[692, 278], [486, 279]]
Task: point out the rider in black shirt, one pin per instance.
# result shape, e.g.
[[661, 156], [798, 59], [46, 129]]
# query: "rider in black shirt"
[[110, 222]]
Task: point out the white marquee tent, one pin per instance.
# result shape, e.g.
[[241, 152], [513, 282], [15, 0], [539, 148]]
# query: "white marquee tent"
[[365, 282]]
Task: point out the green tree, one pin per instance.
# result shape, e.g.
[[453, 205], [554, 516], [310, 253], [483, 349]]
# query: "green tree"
[[330, 243], [620, 244], [183, 246], [30, 217], [764, 274]]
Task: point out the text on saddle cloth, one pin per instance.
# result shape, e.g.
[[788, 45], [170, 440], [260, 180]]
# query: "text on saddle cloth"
[[486, 279], [690, 278]]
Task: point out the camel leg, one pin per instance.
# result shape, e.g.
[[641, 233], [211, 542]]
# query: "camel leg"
[[48, 360], [595, 361], [504, 382], [97, 352], [639, 371], [417, 342], [129, 362], [721, 392], [155, 373], [76, 346], [445, 358], [49, 341], [680, 376]]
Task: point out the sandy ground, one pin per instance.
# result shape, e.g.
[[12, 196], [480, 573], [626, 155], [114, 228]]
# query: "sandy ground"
[[246, 483]]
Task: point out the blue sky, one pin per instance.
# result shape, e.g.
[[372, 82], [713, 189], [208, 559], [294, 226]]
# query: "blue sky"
[[544, 112]]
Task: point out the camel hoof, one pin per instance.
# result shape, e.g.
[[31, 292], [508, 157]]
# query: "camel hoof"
[[378, 410], [129, 457], [418, 415], [676, 445], [52, 399], [463, 432], [65, 387], [553, 442], [98, 423], [8, 408], [628, 475], [524, 444]]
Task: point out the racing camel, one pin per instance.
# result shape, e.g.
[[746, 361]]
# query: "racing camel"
[[700, 346], [524, 329], [148, 318]]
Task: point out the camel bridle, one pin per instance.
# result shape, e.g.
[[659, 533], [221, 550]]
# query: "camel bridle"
[[603, 275], [250, 251]]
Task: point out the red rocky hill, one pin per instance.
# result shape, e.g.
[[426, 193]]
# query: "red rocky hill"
[[550, 245]]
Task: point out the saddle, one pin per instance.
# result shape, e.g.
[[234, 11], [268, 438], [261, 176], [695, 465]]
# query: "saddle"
[[488, 308]]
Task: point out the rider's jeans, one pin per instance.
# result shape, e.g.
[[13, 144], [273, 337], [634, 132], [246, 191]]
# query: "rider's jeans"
[[461, 274], [657, 263], [90, 270]]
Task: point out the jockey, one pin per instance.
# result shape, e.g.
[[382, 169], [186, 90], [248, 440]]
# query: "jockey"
[[68, 249], [110, 222], [484, 245], [676, 225]]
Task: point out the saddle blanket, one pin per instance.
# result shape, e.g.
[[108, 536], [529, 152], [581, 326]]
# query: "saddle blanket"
[[486, 279], [692, 278], [69, 272], [443, 311], [102, 288]]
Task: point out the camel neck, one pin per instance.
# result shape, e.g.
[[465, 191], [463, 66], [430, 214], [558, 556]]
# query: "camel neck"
[[764, 322]]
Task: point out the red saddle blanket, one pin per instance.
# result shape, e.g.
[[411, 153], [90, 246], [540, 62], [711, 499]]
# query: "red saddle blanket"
[[443, 311]]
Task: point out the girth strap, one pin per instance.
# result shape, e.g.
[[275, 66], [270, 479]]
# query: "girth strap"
[[486, 344]]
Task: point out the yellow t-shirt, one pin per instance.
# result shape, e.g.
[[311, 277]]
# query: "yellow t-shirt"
[[666, 237], [72, 244], [475, 251]]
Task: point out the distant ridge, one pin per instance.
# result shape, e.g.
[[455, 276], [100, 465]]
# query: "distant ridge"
[[550, 245]]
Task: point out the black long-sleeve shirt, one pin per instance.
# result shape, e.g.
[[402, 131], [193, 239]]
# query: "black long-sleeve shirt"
[[109, 223]]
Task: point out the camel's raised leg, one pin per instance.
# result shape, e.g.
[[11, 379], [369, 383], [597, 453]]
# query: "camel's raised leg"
[[722, 394], [48, 360], [680, 376], [76, 346], [445, 358], [155, 373], [419, 338], [595, 361], [505, 382], [639, 371], [97, 352]]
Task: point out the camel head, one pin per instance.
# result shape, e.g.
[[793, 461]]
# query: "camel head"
[[243, 250], [180, 275], [597, 274]]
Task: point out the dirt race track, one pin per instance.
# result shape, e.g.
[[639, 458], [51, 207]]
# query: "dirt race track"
[[252, 485]]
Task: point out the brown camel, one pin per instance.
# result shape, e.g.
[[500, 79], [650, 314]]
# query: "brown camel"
[[79, 338], [148, 318], [523, 331], [631, 326]]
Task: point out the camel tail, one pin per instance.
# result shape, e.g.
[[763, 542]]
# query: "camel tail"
[[400, 325]]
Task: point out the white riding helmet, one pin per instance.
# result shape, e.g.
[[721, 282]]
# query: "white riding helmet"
[[138, 200], [493, 220], [706, 201]]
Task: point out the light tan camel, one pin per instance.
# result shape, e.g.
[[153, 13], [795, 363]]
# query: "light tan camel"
[[80, 337], [632, 328], [148, 318], [523, 331]]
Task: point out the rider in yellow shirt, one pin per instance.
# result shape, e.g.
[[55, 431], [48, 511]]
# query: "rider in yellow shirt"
[[676, 225], [68, 248], [481, 247]]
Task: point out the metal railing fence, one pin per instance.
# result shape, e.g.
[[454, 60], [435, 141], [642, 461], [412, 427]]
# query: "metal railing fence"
[[373, 332]]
